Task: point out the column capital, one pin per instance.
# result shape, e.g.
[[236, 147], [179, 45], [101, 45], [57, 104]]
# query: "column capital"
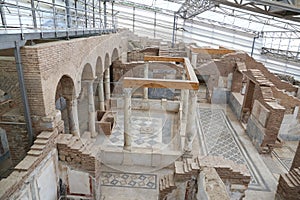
[[127, 91], [193, 93], [88, 81]]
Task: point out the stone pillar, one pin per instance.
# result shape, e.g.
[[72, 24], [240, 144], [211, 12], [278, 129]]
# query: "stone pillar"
[[298, 92], [185, 99], [191, 123], [194, 59], [146, 68], [107, 84], [127, 121], [73, 117], [91, 110], [101, 93]]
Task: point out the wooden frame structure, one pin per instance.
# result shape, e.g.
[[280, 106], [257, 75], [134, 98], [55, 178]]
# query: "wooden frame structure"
[[191, 83]]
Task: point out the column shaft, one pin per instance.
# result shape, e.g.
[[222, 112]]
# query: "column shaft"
[[191, 122], [73, 117], [101, 94], [127, 115], [91, 107], [194, 59], [107, 84], [146, 68], [185, 99]]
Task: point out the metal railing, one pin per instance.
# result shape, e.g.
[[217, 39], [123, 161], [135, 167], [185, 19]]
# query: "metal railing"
[[20, 16]]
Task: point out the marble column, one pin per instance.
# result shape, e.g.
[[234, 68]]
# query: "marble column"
[[101, 94], [146, 68], [73, 117], [194, 59], [107, 84], [191, 122], [127, 121], [91, 107], [185, 99]]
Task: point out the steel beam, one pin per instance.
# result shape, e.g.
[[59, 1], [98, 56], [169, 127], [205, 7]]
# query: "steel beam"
[[23, 93], [68, 13], [2, 13]]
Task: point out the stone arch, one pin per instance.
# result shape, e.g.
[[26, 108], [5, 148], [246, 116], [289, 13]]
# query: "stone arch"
[[65, 101], [99, 66], [106, 61], [87, 73], [115, 55]]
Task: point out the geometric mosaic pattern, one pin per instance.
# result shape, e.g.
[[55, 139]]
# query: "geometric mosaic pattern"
[[145, 129], [219, 139], [130, 180], [145, 132]]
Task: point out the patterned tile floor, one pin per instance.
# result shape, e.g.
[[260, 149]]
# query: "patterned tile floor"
[[221, 140], [130, 180], [146, 131]]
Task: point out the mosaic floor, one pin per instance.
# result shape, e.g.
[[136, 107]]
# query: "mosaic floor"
[[146, 130], [220, 139], [129, 180]]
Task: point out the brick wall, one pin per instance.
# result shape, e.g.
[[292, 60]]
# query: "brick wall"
[[18, 141], [289, 102], [9, 79], [138, 55], [44, 65], [296, 161], [237, 81]]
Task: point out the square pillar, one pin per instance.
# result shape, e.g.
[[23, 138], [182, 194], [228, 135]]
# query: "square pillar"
[[191, 123]]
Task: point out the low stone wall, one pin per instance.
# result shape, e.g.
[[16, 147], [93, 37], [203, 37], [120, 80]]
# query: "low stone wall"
[[40, 163], [289, 185], [235, 105], [76, 152]]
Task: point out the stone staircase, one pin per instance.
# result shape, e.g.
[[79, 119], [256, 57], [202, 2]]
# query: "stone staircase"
[[43, 143], [227, 169], [77, 152], [236, 174], [166, 185], [289, 185]]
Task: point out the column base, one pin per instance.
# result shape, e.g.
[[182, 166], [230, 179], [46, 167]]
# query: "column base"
[[127, 148], [75, 133], [187, 154], [94, 134], [127, 161]]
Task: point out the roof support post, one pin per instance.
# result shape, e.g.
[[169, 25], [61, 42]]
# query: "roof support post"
[[2, 13]]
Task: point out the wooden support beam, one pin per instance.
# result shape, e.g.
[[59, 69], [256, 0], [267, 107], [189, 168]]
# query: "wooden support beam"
[[190, 84], [189, 70], [129, 82], [212, 51], [163, 59]]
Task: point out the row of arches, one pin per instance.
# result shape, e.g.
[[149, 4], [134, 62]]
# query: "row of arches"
[[78, 109]]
